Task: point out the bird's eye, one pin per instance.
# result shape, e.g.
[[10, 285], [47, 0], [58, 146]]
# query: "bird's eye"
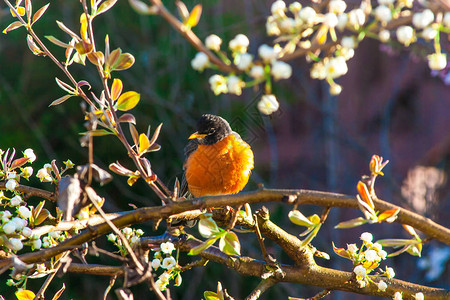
[[211, 131]]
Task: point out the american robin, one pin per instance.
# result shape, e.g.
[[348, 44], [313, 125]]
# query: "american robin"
[[218, 161]]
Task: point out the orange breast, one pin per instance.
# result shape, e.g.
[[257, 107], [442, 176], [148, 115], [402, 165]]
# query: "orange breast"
[[222, 168]]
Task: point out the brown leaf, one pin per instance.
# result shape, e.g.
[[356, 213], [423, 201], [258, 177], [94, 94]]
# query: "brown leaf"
[[12, 26], [60, 100], [39, 13]]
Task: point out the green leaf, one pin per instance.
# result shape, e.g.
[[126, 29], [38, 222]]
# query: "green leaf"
[[202, 247], [128, 100], [229, 244], [208, 228], [298, 218], [351, 223], [105, 6], [311, 236], [210, 295], [125, 61]]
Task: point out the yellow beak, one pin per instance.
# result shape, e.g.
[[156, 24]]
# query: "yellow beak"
[[197, 135]]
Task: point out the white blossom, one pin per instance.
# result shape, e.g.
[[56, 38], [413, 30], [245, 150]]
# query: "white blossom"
[[239, 43], [16, 244], [16, 200], [330, 20], [295, 7], [27, 171], [405, 35], [9, 227], [243, 61], [257, 72], [268, 104], [423, 19], [429, 33], [384, 35], [382, 286], [235, 85], [200, 61], [342, 21], [336, 67], [383, 13], [335, 89], [348, 42], [24, 212], [27, 232], [371, 255], [356, 17], [385, 2], [37, 244], [213, 42], [111, 237], [287, 24], [11, 184], [280, 70], [352, 248], [20, 223], [127, 231], [272, 27], [156, 263], [437, 61], [367, 237], [390, 272], [43, 175], [446, 19], [360, 271], [419, 296], [29, 153], [167, 247], [267, 53], [278, 8], [337, 6], [218, 84], [398, 296], [168, 263], [307, 14]]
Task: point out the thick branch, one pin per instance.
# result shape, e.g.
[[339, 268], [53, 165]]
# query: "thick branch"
[[325, 199], [32, 192]]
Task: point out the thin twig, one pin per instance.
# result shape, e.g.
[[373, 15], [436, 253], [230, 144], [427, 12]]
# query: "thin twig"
[[267, 258], [40, 294], [192, 38], [320, 295], [263, 286], [116, 231]]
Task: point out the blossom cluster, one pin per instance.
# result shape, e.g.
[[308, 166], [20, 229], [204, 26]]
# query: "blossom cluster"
[[132, 235], [265, 67], [295, 25], [304, 28], [163, 259], [15, 218], [366, 259]]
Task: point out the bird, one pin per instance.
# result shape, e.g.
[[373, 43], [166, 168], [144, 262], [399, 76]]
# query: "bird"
[[218, 161]]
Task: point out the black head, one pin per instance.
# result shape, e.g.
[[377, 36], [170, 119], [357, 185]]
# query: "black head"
[[211, 129]]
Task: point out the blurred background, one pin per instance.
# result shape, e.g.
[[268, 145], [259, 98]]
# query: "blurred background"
[[391, 105]]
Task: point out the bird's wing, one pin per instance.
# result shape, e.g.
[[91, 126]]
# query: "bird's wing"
[[191, 146]]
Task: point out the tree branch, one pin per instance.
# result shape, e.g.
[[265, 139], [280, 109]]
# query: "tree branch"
[[32, 192]]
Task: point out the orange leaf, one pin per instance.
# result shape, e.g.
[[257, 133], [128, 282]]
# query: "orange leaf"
[[364, 192], [340, 251], [25, 295], [40, 12], [116, 89], [194, 16], [12, 26], [389, 215], [144, 143]]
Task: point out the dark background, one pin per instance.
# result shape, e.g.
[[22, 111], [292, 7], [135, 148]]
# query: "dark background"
[[391, 105]]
